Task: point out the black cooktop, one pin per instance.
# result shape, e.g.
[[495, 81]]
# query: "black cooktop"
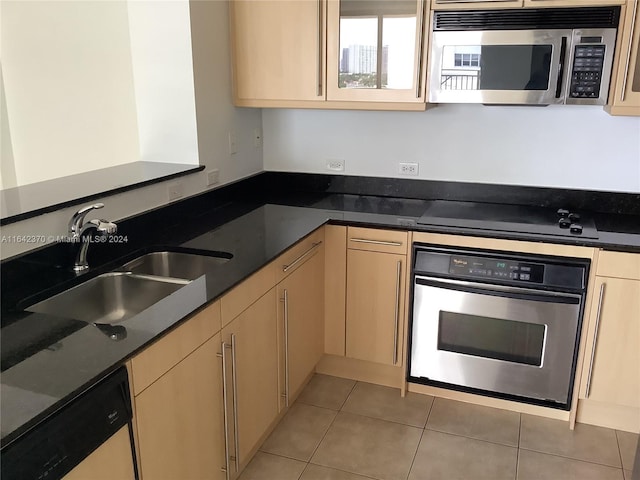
[[508, 218]]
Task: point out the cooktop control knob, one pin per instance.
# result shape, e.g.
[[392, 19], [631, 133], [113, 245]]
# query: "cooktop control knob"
[[564, 222], [563, 213], [575, 228], [574, 217]]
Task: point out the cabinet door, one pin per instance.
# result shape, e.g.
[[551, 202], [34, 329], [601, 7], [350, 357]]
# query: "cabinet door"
[[626, 92], [615, 374], [179, 419], [375, 50], [474, 4], [112, 460], [278, 49], [375, 293], [252, 361], [301, 313], [571, 3]]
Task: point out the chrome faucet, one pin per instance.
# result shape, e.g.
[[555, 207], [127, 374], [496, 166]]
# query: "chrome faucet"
[[78, 230]]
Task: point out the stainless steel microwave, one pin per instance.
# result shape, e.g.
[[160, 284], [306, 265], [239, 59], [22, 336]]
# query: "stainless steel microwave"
[[527, 56]]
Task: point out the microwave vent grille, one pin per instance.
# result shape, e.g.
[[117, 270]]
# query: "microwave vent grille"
[[528, 19]]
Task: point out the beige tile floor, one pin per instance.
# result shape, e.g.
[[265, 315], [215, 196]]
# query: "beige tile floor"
[[340, 429]]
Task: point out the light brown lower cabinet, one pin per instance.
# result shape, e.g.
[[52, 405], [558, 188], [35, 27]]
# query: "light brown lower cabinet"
[[610, 389], [375, 296], [251, 358], [180, 419], [112, 460], [301, 319]]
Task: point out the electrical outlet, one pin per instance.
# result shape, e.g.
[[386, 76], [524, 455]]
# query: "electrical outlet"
[[257, 138], [233, 142], [408, 169], [213, 176], [335, 165], [175, 191]]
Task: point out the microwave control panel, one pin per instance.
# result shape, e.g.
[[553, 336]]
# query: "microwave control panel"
[[588, 62]]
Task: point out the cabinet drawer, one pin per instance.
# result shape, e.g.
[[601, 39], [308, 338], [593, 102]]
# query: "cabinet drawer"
[[247, 293], [306, 248], [160, 357], [374, 240], [618, 265]]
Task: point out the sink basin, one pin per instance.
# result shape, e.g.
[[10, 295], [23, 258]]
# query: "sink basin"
[[188, 266], [109, 298]]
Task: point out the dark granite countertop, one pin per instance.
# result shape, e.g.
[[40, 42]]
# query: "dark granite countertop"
[[48, 360]]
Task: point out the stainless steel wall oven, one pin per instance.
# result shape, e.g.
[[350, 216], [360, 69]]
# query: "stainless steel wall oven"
[[499, 324]]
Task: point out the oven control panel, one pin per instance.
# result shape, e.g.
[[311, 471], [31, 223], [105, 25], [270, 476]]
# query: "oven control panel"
[[478, 267]]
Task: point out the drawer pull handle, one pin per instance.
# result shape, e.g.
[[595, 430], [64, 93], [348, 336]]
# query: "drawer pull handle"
[[286, 347], [319, 52], [595, 339], [626, 65], [395, 331], [225, 400], [376, 242], [286, 268], [234, 381], [420, 48]]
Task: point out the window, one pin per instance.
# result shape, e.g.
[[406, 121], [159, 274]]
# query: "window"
[[467, 60]]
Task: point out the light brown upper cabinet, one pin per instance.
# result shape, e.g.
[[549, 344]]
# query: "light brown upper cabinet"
[[488, 4], [342, 54], [278, 51], [571, 3], [474, 4], [624, 98], [376, 50]]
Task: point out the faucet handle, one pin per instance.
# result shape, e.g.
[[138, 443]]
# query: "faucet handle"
[[75, 224], [104, 227]]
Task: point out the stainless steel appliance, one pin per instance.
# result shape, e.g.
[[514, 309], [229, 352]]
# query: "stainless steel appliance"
[[527, 56], [505, 325]]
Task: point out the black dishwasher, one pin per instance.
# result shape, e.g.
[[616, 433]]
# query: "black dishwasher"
[[54, 447]]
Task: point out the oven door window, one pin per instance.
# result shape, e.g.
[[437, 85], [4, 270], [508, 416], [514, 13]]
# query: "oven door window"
[[495, 338]]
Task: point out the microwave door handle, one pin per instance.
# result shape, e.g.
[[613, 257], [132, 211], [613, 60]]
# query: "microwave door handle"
[[561, 66]]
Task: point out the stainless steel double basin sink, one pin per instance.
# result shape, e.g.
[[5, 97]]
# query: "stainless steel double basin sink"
[[119, 295]]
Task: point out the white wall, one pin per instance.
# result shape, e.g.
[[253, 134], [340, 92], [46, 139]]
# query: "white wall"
[[69, 88], [215, 117], [163, 76], [560, 146]]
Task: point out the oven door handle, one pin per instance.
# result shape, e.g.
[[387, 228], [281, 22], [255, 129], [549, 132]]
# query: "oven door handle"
[[499, 290]]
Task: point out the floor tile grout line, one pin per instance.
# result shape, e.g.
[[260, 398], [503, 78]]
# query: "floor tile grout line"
[[323, 436], [619, 450], [344, 471], [433, 401], [303, 470], [415, 454], [471, 438], [570, 458], [381, 419], [344, 402]]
